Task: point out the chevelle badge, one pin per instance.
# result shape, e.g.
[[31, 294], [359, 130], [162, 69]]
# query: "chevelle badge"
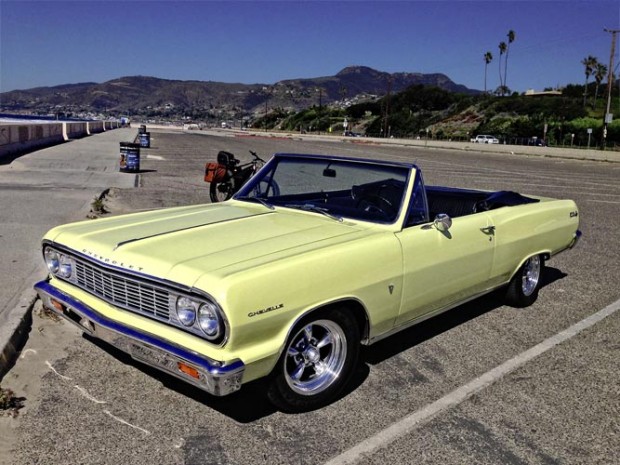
[[265, 310]]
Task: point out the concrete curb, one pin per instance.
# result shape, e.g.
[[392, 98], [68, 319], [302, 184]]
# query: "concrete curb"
[[14, 331]]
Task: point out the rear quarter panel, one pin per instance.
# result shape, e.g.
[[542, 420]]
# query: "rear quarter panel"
[[546, 227]]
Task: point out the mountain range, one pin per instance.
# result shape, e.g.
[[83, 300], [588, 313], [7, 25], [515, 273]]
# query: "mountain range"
[[163, 97]]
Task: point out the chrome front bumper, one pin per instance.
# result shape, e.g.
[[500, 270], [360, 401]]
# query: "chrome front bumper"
[[209, 375]]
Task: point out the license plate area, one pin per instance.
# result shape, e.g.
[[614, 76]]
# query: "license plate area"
[[152, 356]]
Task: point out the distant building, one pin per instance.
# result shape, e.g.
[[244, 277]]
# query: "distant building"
[[534, 93]]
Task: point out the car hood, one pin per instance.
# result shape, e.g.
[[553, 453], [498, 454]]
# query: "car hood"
[[182, 244]]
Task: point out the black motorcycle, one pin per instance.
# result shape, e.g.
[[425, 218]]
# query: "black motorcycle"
[[228, 174]]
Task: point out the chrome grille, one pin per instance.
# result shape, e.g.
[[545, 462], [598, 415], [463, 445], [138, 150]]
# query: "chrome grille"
[[123, 291]]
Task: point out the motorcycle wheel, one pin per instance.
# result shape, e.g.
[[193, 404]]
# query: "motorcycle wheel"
[[220, 191]]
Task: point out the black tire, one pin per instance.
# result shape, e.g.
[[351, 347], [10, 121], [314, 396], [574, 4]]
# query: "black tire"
[[525, 284], [317, 362], [220, 191], [266, 189]]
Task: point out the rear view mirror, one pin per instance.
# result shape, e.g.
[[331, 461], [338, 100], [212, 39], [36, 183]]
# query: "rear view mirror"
[[329, 173]]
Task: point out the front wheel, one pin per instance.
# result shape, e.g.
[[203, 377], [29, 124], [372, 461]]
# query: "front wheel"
[[525, 284], [220, 191], [317, 363]]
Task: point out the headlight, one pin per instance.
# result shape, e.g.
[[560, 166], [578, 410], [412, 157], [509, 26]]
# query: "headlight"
[[186, 310], [209, 320], [52, 260], [65, 269], [58, 263]]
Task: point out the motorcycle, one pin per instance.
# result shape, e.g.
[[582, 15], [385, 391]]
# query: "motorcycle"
[[228, 175]]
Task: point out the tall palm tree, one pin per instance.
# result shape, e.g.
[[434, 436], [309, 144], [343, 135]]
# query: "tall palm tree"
[[600, 71], [502, 50], [488, 58], [511, 39], [590, 63]]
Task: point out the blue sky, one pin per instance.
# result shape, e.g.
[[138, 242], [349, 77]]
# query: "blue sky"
[[47, 43]]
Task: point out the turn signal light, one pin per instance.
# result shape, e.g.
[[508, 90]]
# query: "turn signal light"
[[188, 370], [57, 305]]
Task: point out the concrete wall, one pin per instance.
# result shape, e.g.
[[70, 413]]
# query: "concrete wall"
[[75, 130], [26, 137], [94, 127]]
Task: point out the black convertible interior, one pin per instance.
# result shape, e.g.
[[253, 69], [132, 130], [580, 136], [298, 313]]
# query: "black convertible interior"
[[460, 202], [377, 201], [380, 201]]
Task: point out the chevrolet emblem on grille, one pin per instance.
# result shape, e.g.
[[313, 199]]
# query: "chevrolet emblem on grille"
[[110, 262]]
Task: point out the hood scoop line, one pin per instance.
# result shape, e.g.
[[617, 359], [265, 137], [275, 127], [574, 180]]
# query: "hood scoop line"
[[137, 239]]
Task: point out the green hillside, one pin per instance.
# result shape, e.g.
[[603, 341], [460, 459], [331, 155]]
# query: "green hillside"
[[426, 111]]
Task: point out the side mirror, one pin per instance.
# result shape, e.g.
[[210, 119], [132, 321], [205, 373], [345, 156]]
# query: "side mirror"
[[442, 222]]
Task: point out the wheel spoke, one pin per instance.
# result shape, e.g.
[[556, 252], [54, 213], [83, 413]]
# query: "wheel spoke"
[[320, 368], [308, 333], [292, 351], [298, 372], [327, 339]]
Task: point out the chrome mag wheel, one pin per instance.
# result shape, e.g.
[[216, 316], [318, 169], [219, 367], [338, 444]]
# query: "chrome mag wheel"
[[522, 291], [530, 275], [315, 357]]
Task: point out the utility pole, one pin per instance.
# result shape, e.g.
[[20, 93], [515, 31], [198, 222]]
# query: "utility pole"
[[610, 74], [320, 108], [387, 107]]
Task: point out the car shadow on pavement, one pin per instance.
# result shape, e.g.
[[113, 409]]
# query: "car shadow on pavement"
[[245, 406], [251, 404], [439, 324]]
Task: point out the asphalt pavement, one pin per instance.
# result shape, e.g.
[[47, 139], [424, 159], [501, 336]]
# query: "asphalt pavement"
[[56, 185], [87, 403]]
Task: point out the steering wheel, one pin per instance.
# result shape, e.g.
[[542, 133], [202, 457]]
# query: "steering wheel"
[[375, 203]]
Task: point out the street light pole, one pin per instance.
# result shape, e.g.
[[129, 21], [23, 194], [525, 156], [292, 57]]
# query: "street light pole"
[[607, 117]]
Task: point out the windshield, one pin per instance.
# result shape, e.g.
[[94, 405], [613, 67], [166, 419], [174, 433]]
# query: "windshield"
[[335, 187]]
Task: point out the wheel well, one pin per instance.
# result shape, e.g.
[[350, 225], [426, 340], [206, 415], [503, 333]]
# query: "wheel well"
[[545, 255], [356, 309]]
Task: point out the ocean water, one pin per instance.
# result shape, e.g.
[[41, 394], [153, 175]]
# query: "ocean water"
[[38, 119]]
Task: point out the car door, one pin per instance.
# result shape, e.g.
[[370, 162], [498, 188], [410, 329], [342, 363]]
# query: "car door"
[[444, 268]]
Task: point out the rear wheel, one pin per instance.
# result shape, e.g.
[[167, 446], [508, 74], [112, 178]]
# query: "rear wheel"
[[220, 191], [525, 284], [317, 362]]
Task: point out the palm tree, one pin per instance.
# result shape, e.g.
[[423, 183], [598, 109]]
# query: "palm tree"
[[488, 58], [600, 71], [511, 39], [502, 50], [589, 63]]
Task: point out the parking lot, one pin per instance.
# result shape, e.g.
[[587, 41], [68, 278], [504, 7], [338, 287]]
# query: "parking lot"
[[432, 394]]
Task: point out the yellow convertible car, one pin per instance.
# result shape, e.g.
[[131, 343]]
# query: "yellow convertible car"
[[314, 256]]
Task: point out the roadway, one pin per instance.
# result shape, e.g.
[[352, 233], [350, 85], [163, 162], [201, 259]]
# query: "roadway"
[[483, 383]]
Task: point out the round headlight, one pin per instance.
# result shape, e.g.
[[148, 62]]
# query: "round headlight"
[[52, 260], [208, 320], [186, 311], [64, 269]]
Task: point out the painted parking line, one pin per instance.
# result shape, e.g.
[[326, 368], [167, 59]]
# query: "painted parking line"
[[409, 423]]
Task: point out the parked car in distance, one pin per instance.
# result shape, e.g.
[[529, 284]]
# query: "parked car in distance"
[[484, 139], [312, 257]]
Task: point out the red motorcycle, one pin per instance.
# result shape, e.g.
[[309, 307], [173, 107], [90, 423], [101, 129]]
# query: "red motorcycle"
[[228, 174]]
